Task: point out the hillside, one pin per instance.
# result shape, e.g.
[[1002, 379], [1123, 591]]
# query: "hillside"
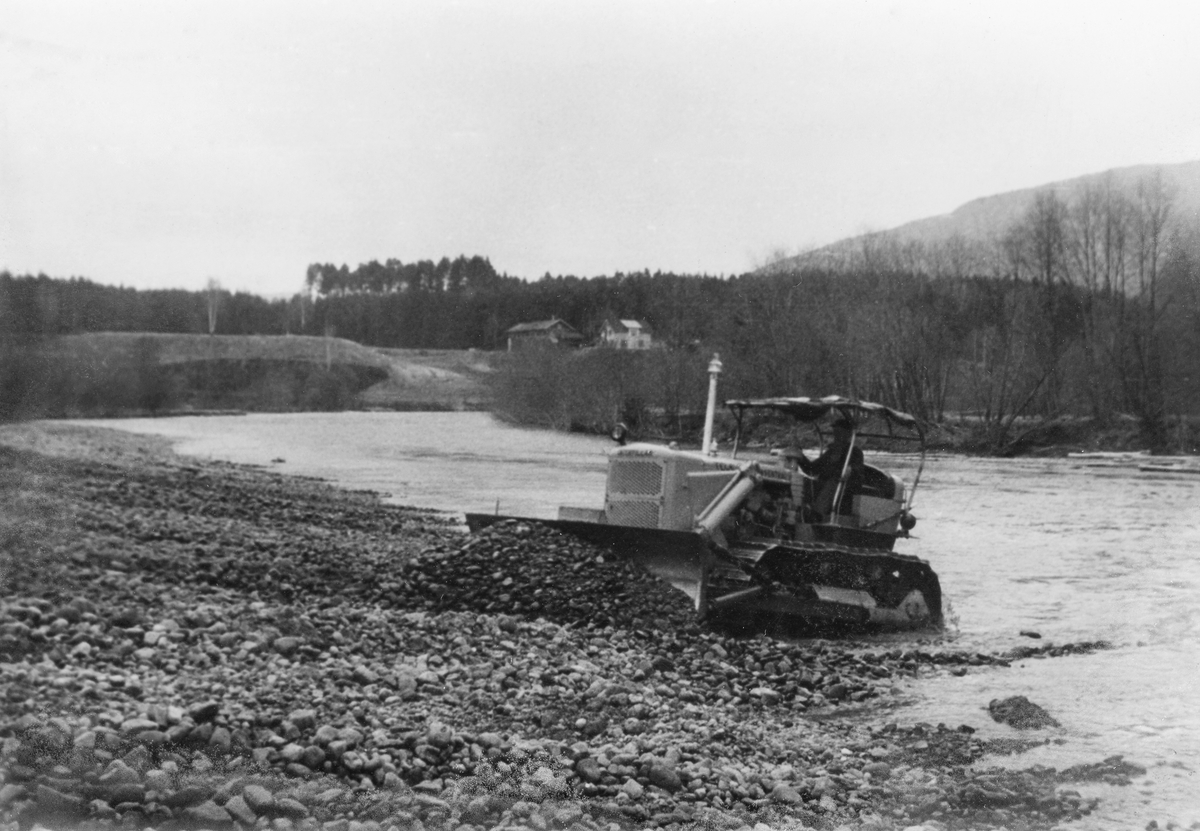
[[186, 348], [979, 223], [422, 379], [129, 373]]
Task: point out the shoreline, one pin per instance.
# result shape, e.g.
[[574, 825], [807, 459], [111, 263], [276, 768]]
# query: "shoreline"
[[200, 644]]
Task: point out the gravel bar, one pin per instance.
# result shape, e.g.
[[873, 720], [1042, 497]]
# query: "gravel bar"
[[197, 645]]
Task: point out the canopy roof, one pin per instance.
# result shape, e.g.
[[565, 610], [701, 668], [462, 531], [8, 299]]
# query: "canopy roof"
[[813, 409]]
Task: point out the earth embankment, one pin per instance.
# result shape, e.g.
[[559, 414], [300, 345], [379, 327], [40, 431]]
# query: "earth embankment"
[[200, 645], [107, 374]]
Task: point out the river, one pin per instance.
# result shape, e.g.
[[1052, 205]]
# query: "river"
[[1066, 548]]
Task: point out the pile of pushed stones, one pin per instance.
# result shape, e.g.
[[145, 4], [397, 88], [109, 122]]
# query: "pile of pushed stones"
[[191, 646]]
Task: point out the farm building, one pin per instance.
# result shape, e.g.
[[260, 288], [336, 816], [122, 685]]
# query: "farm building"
[[556, 332]]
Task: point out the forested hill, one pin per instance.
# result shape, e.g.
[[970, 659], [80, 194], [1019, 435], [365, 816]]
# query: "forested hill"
[[978, 232]]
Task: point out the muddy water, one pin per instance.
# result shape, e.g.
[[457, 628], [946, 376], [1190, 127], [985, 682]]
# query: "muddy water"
[[1071, 551]]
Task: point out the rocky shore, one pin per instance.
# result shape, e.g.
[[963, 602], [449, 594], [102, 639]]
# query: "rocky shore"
[[199, 645]]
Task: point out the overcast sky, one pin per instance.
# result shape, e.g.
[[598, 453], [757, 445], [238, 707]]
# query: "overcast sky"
[[160, 144]]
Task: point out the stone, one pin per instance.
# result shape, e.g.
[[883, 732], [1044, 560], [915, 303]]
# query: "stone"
[[125, 618], [240, 810], [352, 737], [258, 798], [291, 753], [206, 711], [208, 814], [589, 770], [664, 776], [99, 809], [786, 794], [312, 757], [546, 783], [125, 792], [305, 719], [151, 738], [138, 759], [53, 801], [633, 789], [365, 675], [325, 734], [878, 770], [117, 773], [438, 734], [766, 695], [290, 808], [405, 682], [481, 809], [286, 646], [567, 816], [134, 726], [431, 803], [669, 818], [188, 795], [1021, 713], [10, 793], [221, 739]]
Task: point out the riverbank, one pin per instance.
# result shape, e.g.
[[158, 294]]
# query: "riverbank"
[[138, 374], [192, 644]]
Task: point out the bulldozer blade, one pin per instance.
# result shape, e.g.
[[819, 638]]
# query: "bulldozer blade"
[[681, 558]]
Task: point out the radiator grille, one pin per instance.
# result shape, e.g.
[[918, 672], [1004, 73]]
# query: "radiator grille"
[[636, 477], [637, 514]]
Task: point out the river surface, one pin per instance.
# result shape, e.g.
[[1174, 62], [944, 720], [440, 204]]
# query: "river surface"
[[1076, 550]]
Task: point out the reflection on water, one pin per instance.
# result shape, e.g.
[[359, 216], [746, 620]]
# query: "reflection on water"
[[1074, 552]]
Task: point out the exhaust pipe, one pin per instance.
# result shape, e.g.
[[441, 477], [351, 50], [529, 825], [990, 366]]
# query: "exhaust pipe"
[[714, 369]]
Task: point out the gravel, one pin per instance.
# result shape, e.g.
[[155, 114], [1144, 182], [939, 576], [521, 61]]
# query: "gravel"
[[190, 645]]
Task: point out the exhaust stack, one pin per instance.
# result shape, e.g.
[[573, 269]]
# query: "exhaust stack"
[[714, 369]]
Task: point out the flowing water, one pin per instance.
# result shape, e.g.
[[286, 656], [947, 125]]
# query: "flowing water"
[[1070, 549]]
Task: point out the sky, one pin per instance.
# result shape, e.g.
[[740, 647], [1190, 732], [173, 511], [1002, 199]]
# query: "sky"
[[167, 143]]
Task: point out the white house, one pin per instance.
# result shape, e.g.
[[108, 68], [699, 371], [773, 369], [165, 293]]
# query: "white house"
[[626, 334]]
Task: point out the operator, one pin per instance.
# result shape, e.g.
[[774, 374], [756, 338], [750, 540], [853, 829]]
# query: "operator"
[[827, 469]]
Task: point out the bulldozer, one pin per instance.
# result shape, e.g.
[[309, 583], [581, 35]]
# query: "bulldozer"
[[755, 534]]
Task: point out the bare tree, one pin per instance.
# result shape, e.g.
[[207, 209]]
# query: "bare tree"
[[1035, 250], [212, 297], [1143, 379], [1003, 375], [1097, 231]]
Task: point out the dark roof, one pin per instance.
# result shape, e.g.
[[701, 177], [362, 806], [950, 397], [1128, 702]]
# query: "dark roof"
[[813, 409]]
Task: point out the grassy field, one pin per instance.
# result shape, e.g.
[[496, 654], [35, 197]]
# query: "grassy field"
[[125, 347], [126, 373]]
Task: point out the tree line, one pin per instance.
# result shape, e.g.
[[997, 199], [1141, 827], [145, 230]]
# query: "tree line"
[[1088, 306]]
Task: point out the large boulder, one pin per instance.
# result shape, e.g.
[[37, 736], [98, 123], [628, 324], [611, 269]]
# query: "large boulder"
[[1021, 713]]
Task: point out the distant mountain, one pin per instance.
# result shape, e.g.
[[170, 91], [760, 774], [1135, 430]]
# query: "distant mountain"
[[974, 226]]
